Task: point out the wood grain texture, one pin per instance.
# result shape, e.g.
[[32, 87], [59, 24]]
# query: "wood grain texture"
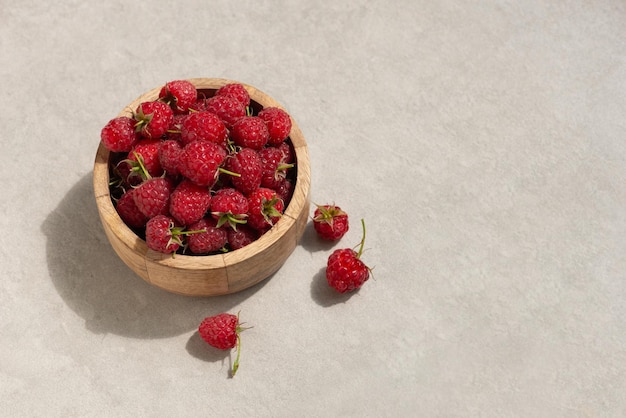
[[215, 274]]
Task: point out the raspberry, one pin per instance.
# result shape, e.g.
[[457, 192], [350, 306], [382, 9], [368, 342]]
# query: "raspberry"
[[247, 163], [148, 150], [284, 190], [173, 132], [153, 119], [237, 91], [169, 154], [345, 271], [179, 95], [204, 126], [278, 124], [250, 131], [152, 196], [163, 235], [264, 208], [212, 238], [223, 331], [200, 162], [242, 236], [274, 167], [227, 108], [119, 135], [287, 151], [129, 212], [189, 202], [330, 222], [229, 206]]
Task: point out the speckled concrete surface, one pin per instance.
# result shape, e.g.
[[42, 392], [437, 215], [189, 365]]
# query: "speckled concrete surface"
[[483, 143]]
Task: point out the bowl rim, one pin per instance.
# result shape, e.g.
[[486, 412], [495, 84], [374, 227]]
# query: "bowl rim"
[[297, 203]]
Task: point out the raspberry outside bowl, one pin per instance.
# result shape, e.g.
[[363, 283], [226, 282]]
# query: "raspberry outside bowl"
[[217, 274]]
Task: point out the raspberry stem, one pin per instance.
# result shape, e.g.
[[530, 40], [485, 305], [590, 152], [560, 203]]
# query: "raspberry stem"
[[238, 330], [230, 173], [144, 171], [284, 167], [362, 240], [236, 362]]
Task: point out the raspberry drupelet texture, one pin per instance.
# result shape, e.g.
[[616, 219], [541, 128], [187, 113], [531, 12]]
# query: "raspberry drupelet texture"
[[223, 331], [247, 163], [345, 272], [189, 202], [200, 162], [152, 197], [203, 126], [251, 132], [161, 234], [212, 238], [228, 108], [153, 119], [229, 207], [278, 124], [179, 95], [330, 222], [237, 91], [119, 134]]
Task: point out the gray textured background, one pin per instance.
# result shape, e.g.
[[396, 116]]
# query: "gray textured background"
[[482, 142]]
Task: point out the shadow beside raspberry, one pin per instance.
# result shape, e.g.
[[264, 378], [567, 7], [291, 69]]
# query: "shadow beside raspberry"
[[100, 288]]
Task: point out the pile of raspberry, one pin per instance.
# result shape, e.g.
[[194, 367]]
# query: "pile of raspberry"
[[200, 171]]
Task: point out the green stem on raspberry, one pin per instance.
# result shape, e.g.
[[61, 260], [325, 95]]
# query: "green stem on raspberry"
[[236, 362], [232, 220], [230, 173], [362, 240], [142, 166], [195, 231], [283, 167]]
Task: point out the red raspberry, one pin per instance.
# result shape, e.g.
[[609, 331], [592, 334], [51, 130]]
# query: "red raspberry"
[[129, 212], [169, 155], [189, 202], [119, 134], [153, 119], [212, 238], [148, 150], [274, 167], [200, 162], [153, 195], [264, 208], [284, 190], [229, 206], [163, 235], [242, 236], [330, 222], [179, 94], [228, 108], [173, 132], [247, 163], [237, 91], [345, 271], [250, 131], [205, 126], [278, 124], [288, 153], [223, 331]]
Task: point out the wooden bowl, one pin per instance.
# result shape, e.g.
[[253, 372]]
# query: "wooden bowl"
[[208, 275]]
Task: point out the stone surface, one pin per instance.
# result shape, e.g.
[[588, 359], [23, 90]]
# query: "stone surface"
[[482, 143]]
